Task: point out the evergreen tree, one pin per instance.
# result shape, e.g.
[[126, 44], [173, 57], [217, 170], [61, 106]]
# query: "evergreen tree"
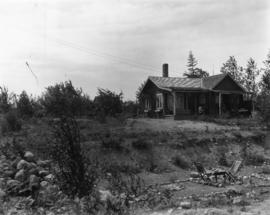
[[193, 71], [265, 81], [264, 98], [251, 73], [231, 67]]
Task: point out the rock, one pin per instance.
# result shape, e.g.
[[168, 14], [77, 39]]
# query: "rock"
[[49, 178], [2, 194], [12, 183], [194, 174], [20, 175], [105, 195], [215, 211], [15, 162], [22, 164], [33, 171], [33, 181], [266, 169], [29, 156], [9, 173], [240, 201], [44, 184], [44, 163], [185, 205], [43, 173]]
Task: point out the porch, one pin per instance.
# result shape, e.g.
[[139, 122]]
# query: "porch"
[[185, 104]]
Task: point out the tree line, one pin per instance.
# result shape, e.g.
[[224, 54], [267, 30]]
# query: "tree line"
[[64, 99], [247, 76]]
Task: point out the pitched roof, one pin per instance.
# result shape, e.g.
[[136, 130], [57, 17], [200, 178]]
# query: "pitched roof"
[[168, 83], [212, 81], [175, 82]]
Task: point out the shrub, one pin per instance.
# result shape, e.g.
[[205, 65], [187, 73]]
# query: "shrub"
[[108, 103], [5, 99], [25, 105], [222, 156], [180, 162], [130, 108], [112, 143], [141, 144], [254, 159], [76, 175], [64, 99], [11, 122]]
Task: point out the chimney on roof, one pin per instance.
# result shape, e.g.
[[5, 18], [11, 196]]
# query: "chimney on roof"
[[165, 70]]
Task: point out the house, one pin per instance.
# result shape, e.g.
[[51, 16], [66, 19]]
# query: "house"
[[181, 97]]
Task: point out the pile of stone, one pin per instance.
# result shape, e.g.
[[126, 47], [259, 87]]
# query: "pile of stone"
[[24, 176], [195, 177]]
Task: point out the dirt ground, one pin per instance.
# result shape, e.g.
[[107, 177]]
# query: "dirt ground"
[[176, 125], [190, 140]]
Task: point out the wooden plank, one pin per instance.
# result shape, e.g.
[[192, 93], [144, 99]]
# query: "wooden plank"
[[174, 103], [219, 104]]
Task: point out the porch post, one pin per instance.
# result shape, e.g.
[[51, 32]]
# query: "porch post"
[[219, 104], [174, 103]]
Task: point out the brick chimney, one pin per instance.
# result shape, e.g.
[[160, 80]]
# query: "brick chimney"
[[165, 70]]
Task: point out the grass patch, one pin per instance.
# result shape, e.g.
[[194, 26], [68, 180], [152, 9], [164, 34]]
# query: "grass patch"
[[141, 144], [180, 162]]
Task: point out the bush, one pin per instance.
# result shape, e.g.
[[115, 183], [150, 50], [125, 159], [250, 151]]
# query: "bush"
[[65, 100], [11, 122], [5, 99], [264, 105], [108, 103], [76, 175], [112, 143], [180, 162], [254, 159], [25, 105], [141, 144]]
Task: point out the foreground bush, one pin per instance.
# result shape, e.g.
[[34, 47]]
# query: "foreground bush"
[[76, 175], [180, 162], [11, 122]]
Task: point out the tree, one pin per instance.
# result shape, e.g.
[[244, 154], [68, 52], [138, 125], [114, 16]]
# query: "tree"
[[231, 67], [64, 99], [200, 73], [193, 71], [251, 73], [265, 80], [191, 65], [108, 103], [6, 99], [25, 105], [264, 98], [139, 90]]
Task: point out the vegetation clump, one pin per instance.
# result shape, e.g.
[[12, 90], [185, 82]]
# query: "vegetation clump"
[[180, 161]]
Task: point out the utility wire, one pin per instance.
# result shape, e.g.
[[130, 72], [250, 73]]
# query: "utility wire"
[[104, 55], [28, 66]]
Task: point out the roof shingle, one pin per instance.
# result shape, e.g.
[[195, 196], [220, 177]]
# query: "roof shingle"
[[189, 83]]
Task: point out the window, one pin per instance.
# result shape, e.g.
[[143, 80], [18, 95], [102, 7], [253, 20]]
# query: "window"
[[159, 101], [147, 104]]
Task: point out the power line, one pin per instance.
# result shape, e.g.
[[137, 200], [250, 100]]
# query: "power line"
[[28, 66], [104, 55]]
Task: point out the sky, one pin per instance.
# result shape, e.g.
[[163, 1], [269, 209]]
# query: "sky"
[[117, 44]]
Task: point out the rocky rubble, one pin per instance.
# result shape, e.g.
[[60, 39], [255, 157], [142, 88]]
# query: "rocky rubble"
[[23, 176]]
